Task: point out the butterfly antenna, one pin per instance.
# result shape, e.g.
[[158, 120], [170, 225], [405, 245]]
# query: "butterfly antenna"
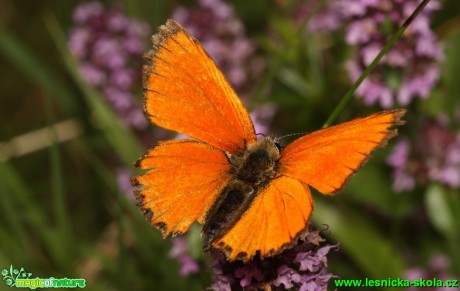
[[288, 135]]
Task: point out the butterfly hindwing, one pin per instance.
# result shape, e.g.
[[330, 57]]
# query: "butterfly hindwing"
[[325, 158], [184, 91], [277, 217], [184, 179]]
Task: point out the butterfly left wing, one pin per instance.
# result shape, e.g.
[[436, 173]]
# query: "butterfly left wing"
[[184, 91], [277, 217], [181, 185], [326, 158]]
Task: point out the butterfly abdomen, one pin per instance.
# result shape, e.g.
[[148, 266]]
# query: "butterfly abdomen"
[[231, 204]]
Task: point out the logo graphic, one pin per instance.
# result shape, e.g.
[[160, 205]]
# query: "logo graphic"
[[10, 276], [22, 279]]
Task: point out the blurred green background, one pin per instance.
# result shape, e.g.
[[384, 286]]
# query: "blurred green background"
[[64, 214]]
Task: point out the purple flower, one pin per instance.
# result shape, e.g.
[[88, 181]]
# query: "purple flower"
[[287, 277], [92, 74], [326, 19], [400, 154], [108, 47], [220, 281], [410, 69], [398, 158], [180, 252], [307, 261], [303, 267], [248, 272], [83, 13], [215, 25], [433, 156]]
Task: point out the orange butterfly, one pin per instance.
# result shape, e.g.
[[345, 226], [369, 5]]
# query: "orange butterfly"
[[251, 196]]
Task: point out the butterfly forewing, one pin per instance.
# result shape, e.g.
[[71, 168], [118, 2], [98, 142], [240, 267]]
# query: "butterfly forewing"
[[185, 91], [326, 158]]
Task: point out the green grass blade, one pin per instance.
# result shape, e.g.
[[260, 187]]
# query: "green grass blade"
[[28, 214], [21, 58], [57, 185], [10, 228]]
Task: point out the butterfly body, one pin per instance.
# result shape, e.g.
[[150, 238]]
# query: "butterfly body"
[[251, 171], [252, 198]]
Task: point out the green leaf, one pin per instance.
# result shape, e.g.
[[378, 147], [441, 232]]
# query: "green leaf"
[[194, 241], [439, 211]]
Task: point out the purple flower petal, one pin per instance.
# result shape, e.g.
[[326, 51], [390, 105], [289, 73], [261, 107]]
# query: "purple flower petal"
[[188, 265], [248, 272], [108, 47], [92, 74], [400, 154], [86, 11], [179, 251], [308, 261]]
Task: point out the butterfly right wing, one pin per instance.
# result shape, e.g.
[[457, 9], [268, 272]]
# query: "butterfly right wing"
[[326, 158], [323, 159], [185, 178]]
